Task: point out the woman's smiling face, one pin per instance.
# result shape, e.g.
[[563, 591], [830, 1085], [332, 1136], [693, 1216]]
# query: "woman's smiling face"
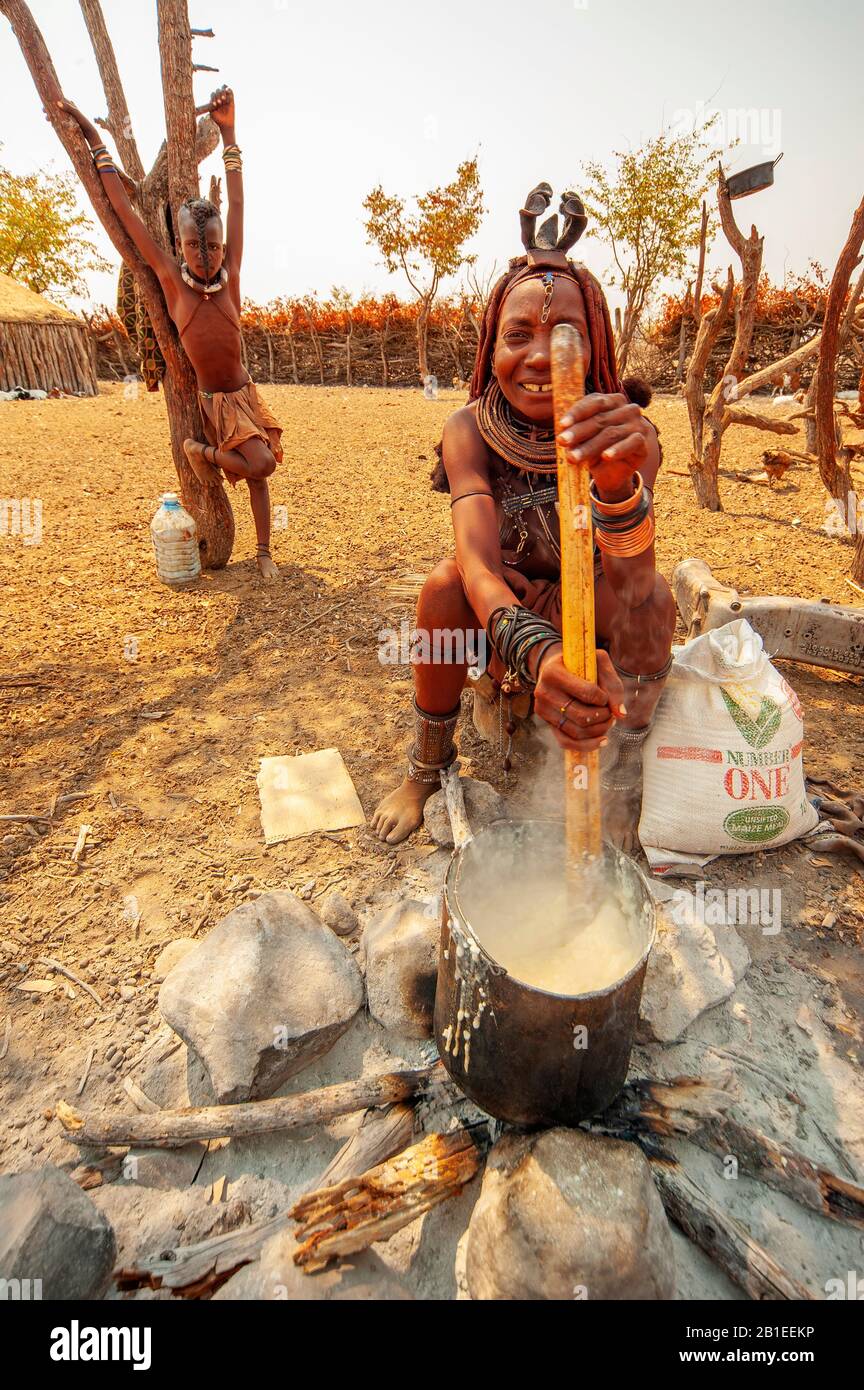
[[521, 361]]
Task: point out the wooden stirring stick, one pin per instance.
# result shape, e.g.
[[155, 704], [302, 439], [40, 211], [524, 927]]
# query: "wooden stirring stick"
[[582, 770]]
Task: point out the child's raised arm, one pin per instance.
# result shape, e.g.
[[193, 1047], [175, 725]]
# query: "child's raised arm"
[[222, 112], [114, 184]]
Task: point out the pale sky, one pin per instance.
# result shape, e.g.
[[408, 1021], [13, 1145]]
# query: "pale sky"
[[334, 97]]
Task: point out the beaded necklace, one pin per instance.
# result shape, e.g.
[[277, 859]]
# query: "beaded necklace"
[[196, 283], [521, 444]]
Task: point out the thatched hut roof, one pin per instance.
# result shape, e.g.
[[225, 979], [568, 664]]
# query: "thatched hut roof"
[[42, 345], [17, 302]]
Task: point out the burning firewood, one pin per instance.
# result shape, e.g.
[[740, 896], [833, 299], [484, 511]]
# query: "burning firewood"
[[352, 1215]]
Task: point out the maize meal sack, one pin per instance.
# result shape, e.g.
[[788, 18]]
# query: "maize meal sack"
[[722, 766]]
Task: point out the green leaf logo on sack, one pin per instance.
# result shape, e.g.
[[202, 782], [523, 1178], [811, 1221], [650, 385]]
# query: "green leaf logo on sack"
[[759, 728]]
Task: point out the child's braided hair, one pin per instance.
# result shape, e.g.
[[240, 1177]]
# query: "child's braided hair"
[[201, 210]]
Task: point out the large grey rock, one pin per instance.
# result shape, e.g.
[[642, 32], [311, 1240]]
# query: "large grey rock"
[[172, 954], [483, 805], [268, 991], [568, 1215], [692, 967], [275, 1276], [400, 951], [51, 1231]]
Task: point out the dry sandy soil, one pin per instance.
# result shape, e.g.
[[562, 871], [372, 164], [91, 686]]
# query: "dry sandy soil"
[[157, 705]]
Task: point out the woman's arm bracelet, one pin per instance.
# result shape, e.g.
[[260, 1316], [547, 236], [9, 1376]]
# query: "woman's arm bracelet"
[[103, 160], [624, 529], [512, 633]]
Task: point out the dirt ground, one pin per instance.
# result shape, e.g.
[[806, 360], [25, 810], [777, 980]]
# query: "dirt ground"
[[155, 706]]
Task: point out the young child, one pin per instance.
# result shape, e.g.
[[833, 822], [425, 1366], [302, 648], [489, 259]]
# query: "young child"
[[498, 463], [203, 298]]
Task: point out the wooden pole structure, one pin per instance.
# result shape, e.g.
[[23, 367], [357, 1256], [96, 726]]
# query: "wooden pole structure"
[[581, 770]]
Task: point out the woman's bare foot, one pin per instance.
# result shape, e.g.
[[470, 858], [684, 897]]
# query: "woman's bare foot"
[[267, 568], [206, 473], [401, 811]]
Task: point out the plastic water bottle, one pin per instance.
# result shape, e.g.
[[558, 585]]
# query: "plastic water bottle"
[[175, 541]]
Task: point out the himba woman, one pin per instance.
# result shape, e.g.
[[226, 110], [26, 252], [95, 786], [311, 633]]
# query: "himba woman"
[[202, 293], [497, 460]]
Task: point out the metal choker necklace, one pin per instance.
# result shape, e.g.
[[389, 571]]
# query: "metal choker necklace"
[[196, 283], [526, 446]]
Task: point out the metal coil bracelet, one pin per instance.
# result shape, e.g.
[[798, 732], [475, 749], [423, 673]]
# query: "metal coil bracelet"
[[624, 529], [513, 632]]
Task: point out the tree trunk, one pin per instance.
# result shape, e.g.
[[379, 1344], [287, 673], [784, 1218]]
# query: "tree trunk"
[[835, 477], [694, 387], [210, 506], [704, 478], [423, 338], [682, 339], [119, 120], [625, 339], [700, 273], [175, 54], [704, 467]]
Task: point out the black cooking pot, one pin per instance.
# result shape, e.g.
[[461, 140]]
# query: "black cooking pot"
[[517, 1051], [752, 180]]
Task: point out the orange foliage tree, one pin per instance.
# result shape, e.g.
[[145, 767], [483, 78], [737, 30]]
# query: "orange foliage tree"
[[427, 245]]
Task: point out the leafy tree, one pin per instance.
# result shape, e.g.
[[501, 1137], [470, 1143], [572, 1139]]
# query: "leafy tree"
[[649, 209], [427, 244], [44, 239]]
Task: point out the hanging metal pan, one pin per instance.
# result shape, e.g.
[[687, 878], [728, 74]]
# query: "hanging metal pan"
[[752, 180]]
